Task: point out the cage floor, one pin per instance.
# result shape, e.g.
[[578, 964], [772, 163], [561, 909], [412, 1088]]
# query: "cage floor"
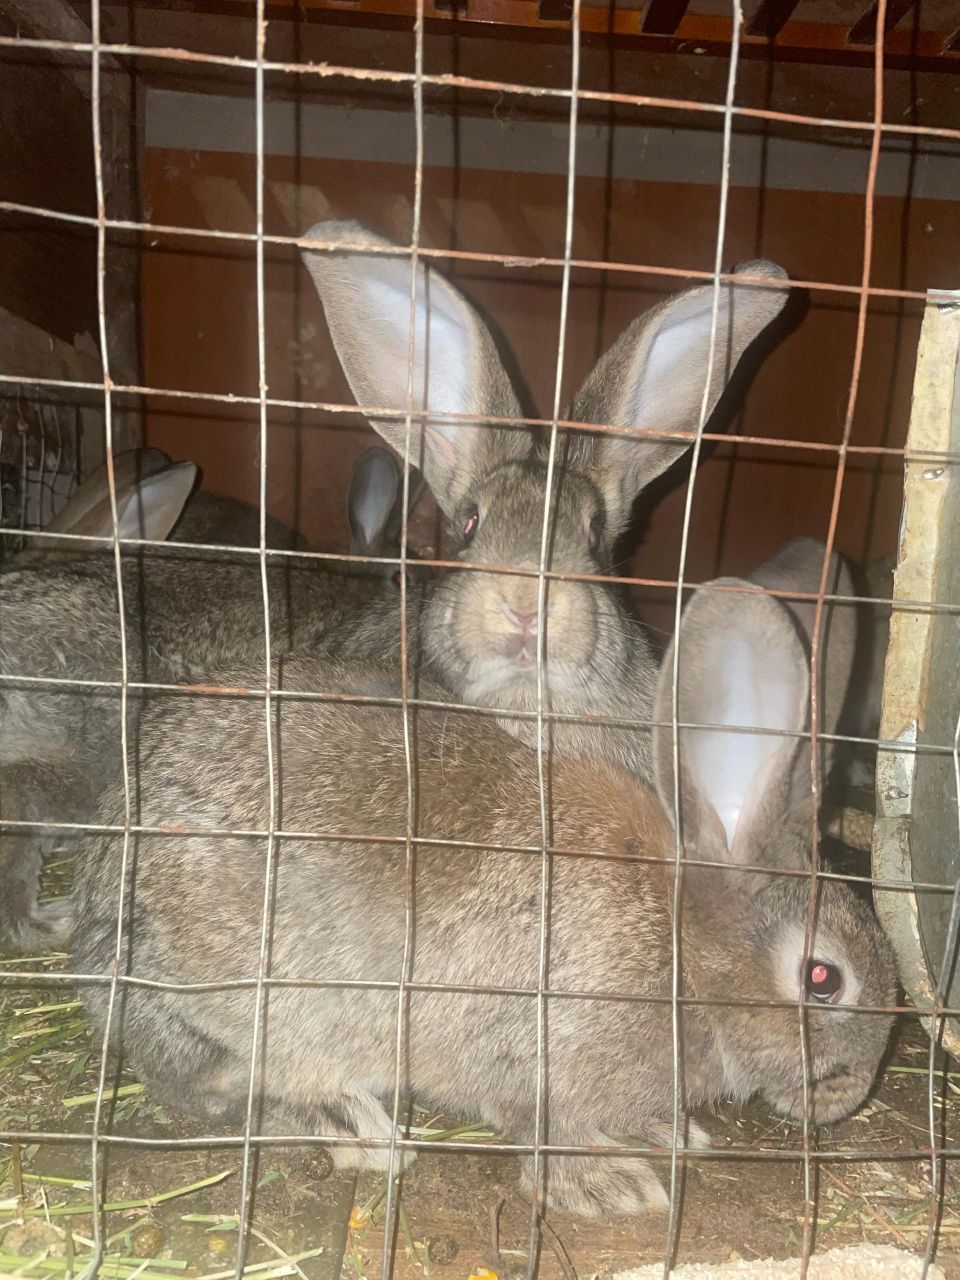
[[175, 1210]]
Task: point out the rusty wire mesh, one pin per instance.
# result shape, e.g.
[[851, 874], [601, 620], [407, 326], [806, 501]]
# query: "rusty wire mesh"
[[92, 53]]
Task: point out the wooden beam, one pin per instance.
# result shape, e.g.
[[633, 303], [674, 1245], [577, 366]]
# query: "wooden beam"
[[797, 40], [663, 17], [771, 17], [864, 31], [913, 838], [56, 20], [555, 10]]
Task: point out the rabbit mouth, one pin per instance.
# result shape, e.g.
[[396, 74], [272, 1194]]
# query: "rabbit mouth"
[[521, 653], [833, 1096], [510, 680]]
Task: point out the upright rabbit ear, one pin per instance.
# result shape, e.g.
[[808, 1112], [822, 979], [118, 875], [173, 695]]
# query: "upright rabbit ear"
[[798, 567], [653, 377], [456, 368], [375, 485], [741, 665], [147, 509], [128, 468]]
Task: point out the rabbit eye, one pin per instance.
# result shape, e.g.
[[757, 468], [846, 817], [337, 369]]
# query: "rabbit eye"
[[823, 980], [594, 532], [470, 525]]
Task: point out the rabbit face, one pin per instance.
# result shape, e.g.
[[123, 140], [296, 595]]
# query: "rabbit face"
[[848, 965], [481, 629]]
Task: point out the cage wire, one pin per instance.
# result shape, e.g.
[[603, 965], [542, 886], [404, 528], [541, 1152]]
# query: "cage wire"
[[812, 1154], [40, 442]]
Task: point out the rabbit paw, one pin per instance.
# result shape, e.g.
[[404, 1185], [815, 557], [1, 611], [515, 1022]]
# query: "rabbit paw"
[[360, 1115], [43, 928], [697, 1138], [598, 1186]]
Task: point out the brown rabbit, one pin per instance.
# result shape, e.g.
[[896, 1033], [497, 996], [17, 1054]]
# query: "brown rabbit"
[[478, 631], [191, 914]]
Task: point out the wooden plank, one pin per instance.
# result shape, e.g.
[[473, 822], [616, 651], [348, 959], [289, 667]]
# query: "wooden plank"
[[56, 20], [663, 17], [711, 32], [915, 834], [771, 17], [555, 10], [865, 30], [53, 160]]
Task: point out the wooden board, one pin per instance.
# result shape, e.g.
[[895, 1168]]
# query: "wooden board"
[[918, 793]]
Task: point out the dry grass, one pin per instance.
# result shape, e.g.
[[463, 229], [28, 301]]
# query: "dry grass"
[[174, 1212]]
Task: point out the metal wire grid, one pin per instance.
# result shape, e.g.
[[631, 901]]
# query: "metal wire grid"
[[41, 440], [96, 48]]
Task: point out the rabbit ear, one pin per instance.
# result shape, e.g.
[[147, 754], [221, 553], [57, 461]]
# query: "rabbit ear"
[[798, 567], [128, 467], [741, 664], [147, 509], [456, 368], [652, 378], [374, 488]]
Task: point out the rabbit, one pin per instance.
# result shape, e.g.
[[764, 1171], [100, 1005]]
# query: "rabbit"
[[186, 614], [191, 914], [478, 631]]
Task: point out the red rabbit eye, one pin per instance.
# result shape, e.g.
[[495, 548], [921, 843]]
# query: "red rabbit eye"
[[470, 525], [823, 981]]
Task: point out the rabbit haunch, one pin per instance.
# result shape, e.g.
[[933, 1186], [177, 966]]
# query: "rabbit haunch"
[[192, 915], [187, 613], [478, 632]]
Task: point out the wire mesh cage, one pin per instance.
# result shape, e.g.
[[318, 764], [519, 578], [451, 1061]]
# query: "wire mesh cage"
[[429, 910], [40, 460]]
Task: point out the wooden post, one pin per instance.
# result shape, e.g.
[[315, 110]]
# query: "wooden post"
[[916, 831], [40, 149]]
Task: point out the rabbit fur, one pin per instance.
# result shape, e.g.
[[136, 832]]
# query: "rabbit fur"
[[478, 631], [187, 613], [191, 913]]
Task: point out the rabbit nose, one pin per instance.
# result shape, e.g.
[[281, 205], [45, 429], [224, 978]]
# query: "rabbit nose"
[[522, 621]]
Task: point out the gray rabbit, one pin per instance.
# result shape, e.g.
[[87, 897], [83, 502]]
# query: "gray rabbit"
[[478, 631], [191, 914], [186, 612]]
